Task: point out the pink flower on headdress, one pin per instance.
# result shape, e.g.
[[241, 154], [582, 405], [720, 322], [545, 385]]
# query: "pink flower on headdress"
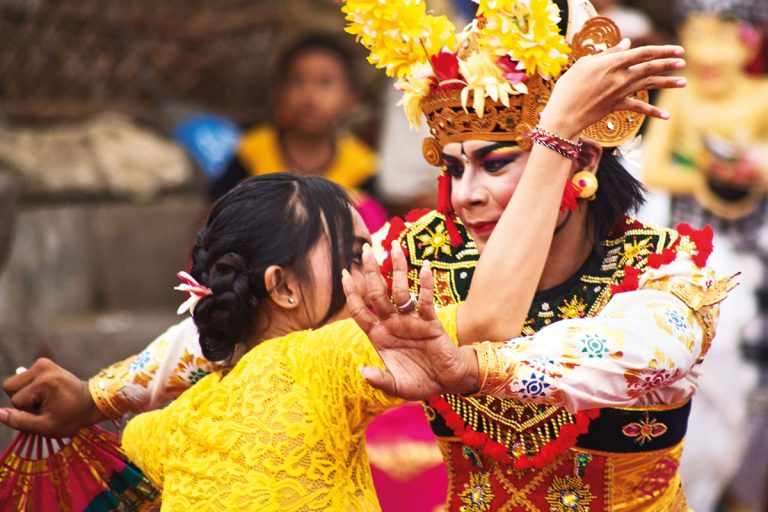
[[195, 290], [512, 71]]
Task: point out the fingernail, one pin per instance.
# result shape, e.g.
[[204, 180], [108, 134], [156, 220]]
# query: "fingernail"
[[625, 43], [679, 50], [680, 64], [344, 273], [426, 264], [664, 115], [682, 82], [3, 415]]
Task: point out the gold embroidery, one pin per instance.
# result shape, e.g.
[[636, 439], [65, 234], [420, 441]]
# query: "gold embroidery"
[[477, 495], [569, 494], [573, 308], [645, 430], [106, 389], [435, 242]]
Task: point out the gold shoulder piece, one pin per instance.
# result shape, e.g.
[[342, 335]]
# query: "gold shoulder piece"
[[719, 291]]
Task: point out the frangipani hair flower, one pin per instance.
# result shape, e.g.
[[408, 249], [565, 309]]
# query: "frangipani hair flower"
[[195, 290]]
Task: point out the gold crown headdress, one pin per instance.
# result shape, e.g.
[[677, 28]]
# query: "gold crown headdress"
[[507, 61]]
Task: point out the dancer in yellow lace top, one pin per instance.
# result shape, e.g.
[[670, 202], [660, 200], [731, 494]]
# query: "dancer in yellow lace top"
[[283, 430]]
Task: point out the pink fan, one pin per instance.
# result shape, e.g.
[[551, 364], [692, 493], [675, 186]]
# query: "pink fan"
[[84, 473]]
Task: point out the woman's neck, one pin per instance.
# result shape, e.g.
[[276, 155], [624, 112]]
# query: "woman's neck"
[[307, 153], [571, 246], [275, 322]]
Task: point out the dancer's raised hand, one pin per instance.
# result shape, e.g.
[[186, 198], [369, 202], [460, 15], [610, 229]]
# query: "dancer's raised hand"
[[421, 359]]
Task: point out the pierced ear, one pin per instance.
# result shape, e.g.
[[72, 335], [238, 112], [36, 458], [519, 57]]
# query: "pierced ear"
[[283, 286], [589, 156]]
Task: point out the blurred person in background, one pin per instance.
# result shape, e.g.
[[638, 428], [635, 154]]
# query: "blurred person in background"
[[712, 159], [313, 91]]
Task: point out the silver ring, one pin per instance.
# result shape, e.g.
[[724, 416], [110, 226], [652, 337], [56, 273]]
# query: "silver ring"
[[408, 306]]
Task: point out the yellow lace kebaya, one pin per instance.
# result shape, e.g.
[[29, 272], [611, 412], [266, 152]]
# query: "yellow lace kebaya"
[[284, 430]]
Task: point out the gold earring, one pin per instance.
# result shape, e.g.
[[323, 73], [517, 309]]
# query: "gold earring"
[[587, 183]]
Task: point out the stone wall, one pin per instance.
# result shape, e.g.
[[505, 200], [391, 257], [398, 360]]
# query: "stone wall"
[[87, 284]]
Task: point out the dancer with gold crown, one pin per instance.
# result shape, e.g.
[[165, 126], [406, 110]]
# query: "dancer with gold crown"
[[493, 108], [571, 426]]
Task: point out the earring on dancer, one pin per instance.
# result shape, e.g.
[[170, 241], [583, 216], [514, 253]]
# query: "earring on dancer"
[[587, 184]]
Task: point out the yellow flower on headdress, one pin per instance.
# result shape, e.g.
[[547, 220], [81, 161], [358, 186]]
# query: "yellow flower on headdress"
[[414, 90], [399, 35], [527, 31]]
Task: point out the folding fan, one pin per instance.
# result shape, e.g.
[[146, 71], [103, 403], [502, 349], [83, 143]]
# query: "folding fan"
[[84, 473]]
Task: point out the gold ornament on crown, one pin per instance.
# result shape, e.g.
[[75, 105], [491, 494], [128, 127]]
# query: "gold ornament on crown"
[[492, 80]]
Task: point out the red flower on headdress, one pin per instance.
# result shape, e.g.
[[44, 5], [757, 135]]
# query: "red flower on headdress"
[[446, 66], [511, 71]]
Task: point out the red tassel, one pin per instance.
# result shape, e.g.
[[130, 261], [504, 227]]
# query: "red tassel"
[[702, 238], [570, 195], [630, 282], [416, 214], [453, 232], [444, 206], [664, 257], [474, 439], [444, 195], [497, 451]]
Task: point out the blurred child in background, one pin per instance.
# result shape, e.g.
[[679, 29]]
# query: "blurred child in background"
[[313, 90]]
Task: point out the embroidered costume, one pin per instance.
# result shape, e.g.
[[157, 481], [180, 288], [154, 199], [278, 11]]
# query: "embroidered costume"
[[591, 404]]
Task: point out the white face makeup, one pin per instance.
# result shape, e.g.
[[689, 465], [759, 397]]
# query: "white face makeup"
[[484, 176]]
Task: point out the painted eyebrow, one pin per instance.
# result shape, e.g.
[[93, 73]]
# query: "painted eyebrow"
[[480, 153]]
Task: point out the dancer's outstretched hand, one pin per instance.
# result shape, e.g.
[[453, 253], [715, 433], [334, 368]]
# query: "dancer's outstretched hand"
[[421, 360]]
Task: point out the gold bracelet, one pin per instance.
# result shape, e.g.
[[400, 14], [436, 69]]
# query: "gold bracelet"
[[106, 387], [492, 370]]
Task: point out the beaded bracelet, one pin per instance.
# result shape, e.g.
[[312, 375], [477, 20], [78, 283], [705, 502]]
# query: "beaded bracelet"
[[564, 147], [575, 144]]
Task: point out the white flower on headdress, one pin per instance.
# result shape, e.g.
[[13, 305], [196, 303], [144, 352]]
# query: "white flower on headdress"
[[415, 88], [485, 78]]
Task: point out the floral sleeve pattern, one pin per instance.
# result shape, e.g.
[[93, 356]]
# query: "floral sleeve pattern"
[[644, 341], [169, 365]]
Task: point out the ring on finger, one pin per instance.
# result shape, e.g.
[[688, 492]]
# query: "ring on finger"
[[409, 306]]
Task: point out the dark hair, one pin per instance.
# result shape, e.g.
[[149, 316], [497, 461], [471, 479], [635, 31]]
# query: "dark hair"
[[619, 193], [273, 219], [317, 42]]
